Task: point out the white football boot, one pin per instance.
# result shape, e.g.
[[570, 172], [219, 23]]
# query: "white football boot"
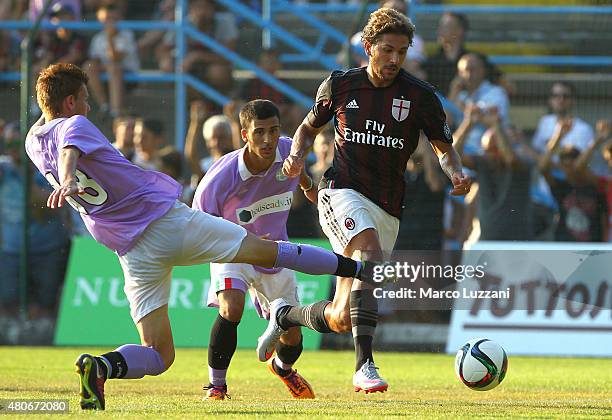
[[368, 380], [267, 341]]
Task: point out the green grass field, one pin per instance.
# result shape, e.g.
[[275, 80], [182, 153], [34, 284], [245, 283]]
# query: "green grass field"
[[421, 385]]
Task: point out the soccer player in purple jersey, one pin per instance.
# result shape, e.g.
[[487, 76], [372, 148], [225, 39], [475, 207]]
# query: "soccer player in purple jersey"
[[136, 213], [378, 111], [248, 187]]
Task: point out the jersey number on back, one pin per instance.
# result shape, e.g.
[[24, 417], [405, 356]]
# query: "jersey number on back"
[[88, 185]]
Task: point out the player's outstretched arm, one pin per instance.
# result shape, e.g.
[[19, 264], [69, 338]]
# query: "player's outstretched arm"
[[450, 162], [302, 141], [68, 158]]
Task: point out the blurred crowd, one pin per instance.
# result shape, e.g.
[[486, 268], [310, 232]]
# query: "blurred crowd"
[[553, 184]]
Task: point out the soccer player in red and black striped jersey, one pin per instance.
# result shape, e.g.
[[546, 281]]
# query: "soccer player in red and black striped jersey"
[[378, 113]]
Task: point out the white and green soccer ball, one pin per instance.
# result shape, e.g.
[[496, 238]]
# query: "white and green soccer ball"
[[481, 364]]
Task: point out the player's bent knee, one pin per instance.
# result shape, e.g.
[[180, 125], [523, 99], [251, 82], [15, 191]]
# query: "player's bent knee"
[[231, 304], [167, 355], [340, 321], [231, 313]]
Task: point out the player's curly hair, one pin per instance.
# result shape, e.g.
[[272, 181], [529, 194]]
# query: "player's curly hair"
[[55, 83], [387, 21]]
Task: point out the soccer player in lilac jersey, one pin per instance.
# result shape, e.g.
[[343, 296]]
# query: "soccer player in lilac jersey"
[[247, 187], [378, 111], [136, 213]]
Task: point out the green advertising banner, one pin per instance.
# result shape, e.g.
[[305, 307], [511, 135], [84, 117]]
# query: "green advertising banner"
[[94, 309]]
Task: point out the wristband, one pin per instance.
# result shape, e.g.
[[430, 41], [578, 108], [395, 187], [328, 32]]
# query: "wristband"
[[309, 187]]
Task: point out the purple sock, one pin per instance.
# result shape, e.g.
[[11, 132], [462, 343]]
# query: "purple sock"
[[217, 376], [306, 258], [141, 361]]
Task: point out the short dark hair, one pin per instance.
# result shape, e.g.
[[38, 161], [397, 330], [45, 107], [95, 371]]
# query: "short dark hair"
[[154, 125], [57, 82], [173, 159], [387, 21], [461, 19], [258, 109], [568, 85]]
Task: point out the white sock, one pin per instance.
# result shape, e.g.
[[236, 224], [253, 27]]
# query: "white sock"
[[281, 365], [217, 376]]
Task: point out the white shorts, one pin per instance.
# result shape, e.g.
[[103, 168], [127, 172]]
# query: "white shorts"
[[183, 236], [343, 213], [263, 288]]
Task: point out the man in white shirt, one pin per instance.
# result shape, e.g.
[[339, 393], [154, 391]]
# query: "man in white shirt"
[[562, 100], [114, 51], [472, 87]]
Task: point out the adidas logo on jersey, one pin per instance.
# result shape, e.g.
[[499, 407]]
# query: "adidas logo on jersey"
[[352, 105]]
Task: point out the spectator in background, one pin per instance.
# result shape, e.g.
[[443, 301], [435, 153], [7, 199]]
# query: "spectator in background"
[[5, 37], [217, 134], [579, 135], [583, 213], [420, 227], [203, 16], [5, 51], [172, 164], [232, 111], [114, 52], [220, 77], [123, 132], [255, 88], [62, 45], [323, 148], [603, 137], [14, 9], [441, 68], [36, 7], [11, 39], [49, 241], [471, 87], [504, 176], [194, 142], [562, 101], [148, 138], [92, 6], [199, 60], [150, 40]]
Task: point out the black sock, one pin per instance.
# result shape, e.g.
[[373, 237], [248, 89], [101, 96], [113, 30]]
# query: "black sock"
[[311, 316], [118, 365], [364, 317], [281, 372], [223, 342], [287, 354], [347, 267]]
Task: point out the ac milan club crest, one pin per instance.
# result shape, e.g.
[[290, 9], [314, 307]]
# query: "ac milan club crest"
[[349, 223], [400, 109]]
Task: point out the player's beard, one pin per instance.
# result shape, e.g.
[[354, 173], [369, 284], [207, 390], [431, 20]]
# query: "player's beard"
[[389, 72]]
